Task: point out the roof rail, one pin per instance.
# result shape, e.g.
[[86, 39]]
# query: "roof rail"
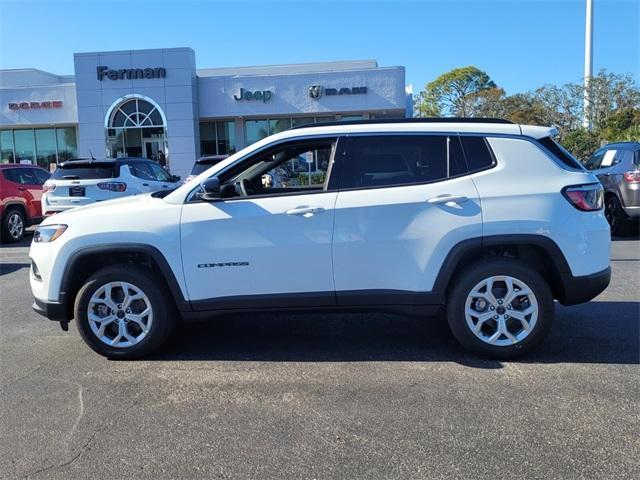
[[407, 120]]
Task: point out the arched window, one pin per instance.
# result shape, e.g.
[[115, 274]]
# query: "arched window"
[[136, 113]]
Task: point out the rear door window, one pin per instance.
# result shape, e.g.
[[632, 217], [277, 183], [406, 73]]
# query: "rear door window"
[[159, 173], [595, 160], [22, 176], [394, 160], [141, 170]]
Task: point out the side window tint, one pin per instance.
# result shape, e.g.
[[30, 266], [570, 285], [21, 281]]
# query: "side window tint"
[[476, 153], [594, 161], [401, 160], [159, 173], [141, 170], [610, 158], [41, 176], [23, 176]]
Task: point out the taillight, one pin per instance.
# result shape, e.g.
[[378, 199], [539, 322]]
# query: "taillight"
[[48, 187], [587, 198], [113, 186], [632, 177]]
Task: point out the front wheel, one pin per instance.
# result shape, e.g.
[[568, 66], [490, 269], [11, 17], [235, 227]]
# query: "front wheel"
[[500, 308], [123, 313]]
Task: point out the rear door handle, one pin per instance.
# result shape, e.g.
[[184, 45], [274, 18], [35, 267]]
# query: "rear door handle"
[[145, 184], [305, 211], [440, 199]]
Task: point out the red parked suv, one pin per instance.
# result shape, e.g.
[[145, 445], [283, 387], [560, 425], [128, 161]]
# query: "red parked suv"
[[20, 194]]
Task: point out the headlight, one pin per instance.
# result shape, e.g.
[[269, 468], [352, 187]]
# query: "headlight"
[[48, 233]]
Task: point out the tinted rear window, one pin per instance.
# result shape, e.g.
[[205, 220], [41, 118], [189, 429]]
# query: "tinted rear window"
[[477, 153], [562, 155], [85, 171]]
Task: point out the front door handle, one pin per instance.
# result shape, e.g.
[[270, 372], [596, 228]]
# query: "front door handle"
[[305, 211], [444, 199]]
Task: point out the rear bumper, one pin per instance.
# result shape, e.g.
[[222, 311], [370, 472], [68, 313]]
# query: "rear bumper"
[[583, 288], [58, 312]]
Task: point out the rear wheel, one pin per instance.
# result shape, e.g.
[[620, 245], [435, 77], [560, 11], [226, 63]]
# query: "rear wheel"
[[616, 216], [13, 225], [500, 308], [122, 313]]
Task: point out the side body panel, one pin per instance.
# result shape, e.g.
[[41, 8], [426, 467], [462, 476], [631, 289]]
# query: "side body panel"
[[522, 195]]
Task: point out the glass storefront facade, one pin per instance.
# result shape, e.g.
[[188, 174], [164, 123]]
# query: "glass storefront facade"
[[42, 146], [260, 128], [218, 137]]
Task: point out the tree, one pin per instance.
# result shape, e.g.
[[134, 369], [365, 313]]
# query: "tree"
[[453, 92], [581, 143]]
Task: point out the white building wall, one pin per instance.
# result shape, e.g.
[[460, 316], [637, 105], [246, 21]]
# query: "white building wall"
[[66, 115], [176, 94]]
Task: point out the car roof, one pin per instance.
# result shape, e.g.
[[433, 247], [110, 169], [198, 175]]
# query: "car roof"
[[21, 165], [477, 126], [623, 145], [103, 161]]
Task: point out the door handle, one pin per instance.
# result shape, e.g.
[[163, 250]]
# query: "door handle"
[[145, 184], [22, 189], [439, 200], [305, 211]]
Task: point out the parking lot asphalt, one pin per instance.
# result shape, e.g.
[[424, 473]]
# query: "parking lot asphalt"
[[319, 396]]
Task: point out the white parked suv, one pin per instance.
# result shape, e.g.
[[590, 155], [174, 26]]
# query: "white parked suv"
[[83, 181], [489, 219]]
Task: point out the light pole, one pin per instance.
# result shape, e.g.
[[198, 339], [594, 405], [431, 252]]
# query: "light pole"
[[588, 64]]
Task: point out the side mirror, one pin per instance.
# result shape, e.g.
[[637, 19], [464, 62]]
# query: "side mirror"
[[175, 178], [210, 189]]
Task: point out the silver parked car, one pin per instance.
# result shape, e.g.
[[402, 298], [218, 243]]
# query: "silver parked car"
[[617, 166]]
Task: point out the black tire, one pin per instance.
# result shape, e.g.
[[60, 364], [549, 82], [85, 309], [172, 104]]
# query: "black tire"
[[464, 283], [13, 214], [164, 312], [619, 221]]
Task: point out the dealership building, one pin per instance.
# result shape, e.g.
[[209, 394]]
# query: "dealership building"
[[142, 102]]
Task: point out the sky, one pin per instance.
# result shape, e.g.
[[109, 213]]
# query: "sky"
[[521, 44]]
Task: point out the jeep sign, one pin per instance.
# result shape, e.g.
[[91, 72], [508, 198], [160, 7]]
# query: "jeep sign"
[[264, 95]]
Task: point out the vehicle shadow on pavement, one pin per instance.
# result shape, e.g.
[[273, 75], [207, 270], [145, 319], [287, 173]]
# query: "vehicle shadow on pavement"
[[598, 332], [6, 268]]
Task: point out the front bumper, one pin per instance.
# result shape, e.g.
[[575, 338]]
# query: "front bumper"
[[583, 288], [56, 311]]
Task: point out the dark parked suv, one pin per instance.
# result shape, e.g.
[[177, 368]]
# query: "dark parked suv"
[[617, 166]]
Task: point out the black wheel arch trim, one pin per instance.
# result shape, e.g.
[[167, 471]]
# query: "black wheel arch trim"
[[158, 257]]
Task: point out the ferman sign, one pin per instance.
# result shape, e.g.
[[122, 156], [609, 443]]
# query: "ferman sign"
[[130, 73]]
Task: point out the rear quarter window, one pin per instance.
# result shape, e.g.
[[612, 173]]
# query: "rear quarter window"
[[85, 172], [477, 153], [560, 153]]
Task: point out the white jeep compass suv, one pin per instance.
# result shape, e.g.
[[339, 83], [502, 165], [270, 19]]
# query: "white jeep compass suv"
[[489, 219]]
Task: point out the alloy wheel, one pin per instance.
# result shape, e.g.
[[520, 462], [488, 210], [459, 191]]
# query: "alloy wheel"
[[120, 314], [15, 225], [501, 310]]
